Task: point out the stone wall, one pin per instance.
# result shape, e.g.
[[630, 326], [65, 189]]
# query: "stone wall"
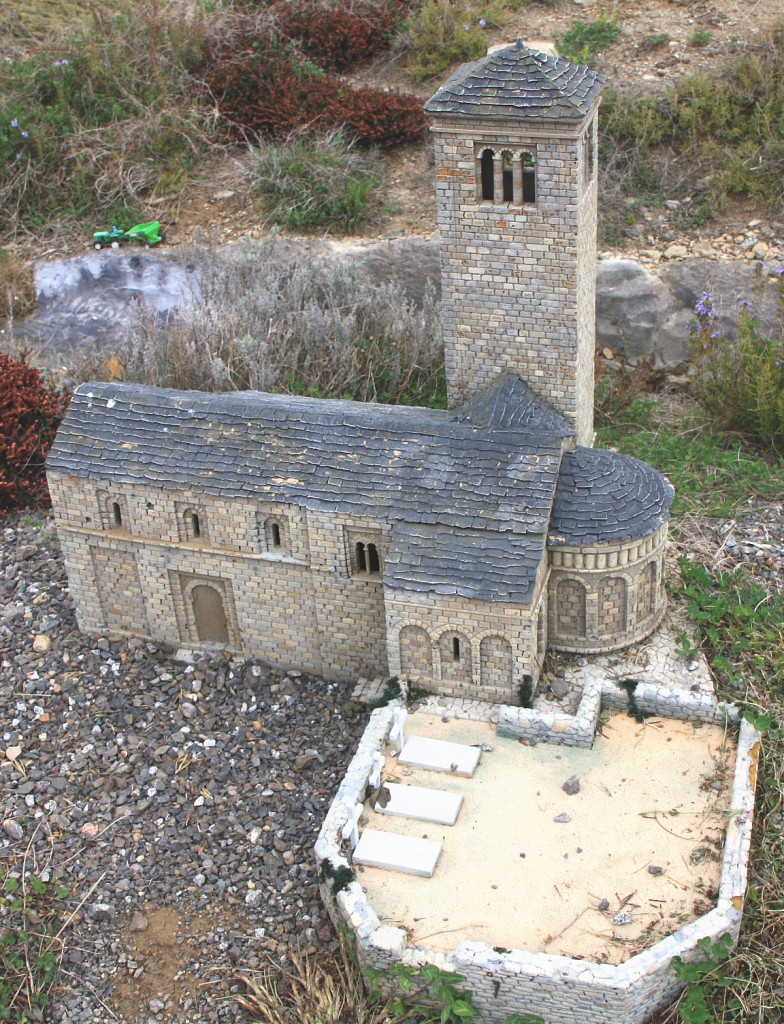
[[497, 643], [299, 603], [605, 597], [518, 279]]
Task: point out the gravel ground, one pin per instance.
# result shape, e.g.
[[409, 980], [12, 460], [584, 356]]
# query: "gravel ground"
[[178, 803]]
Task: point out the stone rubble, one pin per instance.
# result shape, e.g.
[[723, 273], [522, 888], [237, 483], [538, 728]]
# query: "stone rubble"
[[140, 782]]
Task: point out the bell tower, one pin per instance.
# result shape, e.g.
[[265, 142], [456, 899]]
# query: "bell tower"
[[516, 191]]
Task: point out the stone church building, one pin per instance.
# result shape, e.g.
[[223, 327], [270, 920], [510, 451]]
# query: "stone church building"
[[344, 539]]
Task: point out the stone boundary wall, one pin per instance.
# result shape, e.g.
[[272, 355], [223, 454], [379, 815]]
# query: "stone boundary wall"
[[578, 730], [561, 990]]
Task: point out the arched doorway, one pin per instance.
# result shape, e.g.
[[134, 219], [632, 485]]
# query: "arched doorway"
[[209, 614], [495, 659]]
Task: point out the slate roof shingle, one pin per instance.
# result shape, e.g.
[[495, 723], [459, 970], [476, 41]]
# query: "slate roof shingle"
[[518, 82], [347, 457], [604, 497]]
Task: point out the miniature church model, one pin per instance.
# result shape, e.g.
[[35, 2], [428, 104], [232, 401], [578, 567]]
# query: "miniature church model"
[[345, 539]]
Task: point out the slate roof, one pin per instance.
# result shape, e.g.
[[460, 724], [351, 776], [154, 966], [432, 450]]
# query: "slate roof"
[[603, 497], [477, 564], [519, 82], [411, 464], [510, 405]]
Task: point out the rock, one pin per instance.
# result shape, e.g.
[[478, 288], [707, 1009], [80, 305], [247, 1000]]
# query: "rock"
[[622, 917], [675, 252], [100, 911], [188, 710], [562, 818], [654, 869], [41, 643], [12, 753], [631, 305], [13, 828], [603, 905], [571, 786], [139, 922], [559, 687]]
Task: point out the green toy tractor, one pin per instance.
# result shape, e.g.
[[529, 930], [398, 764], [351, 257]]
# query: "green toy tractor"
[[145, 234]]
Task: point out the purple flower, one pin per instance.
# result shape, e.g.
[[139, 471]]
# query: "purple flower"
[[482, 22], [465, 27], [15, 123], [714, 334], [25, 135], [704, 305], [778, 362], [745, 303], [780, 271], [61, 63]]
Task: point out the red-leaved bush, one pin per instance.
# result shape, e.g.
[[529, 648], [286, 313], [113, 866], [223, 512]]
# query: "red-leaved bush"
[[30, 413], [262, 88], [337, 34]]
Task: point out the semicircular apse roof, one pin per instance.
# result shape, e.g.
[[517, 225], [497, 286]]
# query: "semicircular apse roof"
[[604, 497]]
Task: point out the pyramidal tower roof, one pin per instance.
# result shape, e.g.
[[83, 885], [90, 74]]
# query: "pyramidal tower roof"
[[519, 82]]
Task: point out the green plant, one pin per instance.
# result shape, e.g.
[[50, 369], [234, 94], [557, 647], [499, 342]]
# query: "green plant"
[[445, 32], [93, 124], [31, 945], [740, 625], [525, 692], [629, 687], [586, 40], [316, 181], [700, 37], [701, 977], [30, 413], [653, 42], [392, 691], [406, 990], [741, 382], [17, 291]]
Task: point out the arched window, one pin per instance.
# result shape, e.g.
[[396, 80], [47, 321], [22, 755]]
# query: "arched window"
[[528, 167], [275, 535], [195, 525], [488, 175], [456, 658], [455, 648], [373, 562], [506, 171], [361, 557], [117, 519], [570, 608]]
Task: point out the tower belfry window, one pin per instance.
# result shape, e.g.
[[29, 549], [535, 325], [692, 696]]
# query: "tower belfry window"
[[507, 176]]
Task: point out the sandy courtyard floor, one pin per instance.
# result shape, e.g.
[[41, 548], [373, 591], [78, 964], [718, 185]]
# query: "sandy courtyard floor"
[[652, 795]]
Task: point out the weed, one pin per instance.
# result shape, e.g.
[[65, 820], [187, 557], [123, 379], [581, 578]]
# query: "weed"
[[339, 878], [701, 37], [311, 181], [525, 692], [653, 42], [740, 383], [392, 691], [629, 686], [31, 945], [586, 40], [271, 320], [702, 976], [741, 627], [17, 291]]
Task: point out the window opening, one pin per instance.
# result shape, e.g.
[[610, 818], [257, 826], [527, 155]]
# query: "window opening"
[[361, 559], [195, 525], [275, 531], [117, 513], [487, 174], [373, 562], [506, 171], [455, 648], [529, 178]]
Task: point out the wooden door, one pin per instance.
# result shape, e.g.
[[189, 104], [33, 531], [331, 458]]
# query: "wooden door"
[[210, 615]]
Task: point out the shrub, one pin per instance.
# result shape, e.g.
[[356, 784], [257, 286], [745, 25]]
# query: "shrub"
[[740, 383], [586, 40], [445, 33], [30, 413], [338, 34], [272, 320], [312, 181], [270, 92]]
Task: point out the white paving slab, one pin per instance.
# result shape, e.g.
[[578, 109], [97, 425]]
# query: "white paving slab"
[[440, 756], [398, 853], [421, 804]]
